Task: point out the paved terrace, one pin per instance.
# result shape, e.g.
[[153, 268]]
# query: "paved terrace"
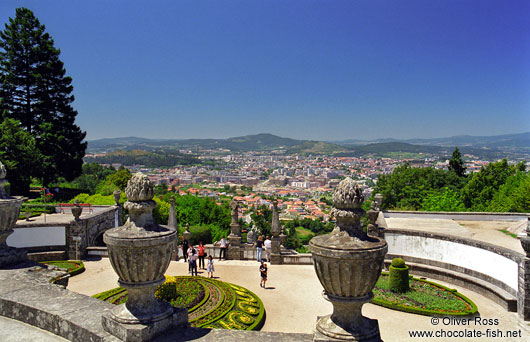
[[293, 300]]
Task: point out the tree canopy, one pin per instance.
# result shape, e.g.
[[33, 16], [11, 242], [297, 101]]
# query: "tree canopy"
[[497, 187], [36, 92], [18, 154]]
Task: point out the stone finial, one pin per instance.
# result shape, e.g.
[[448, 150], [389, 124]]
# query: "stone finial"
[[172, 219], [117, 195], [347, 201], [378, 199], [3, 193], [2, 171], [139, 188], [275, 226], [76, 210], [234, 212], [348, 195]]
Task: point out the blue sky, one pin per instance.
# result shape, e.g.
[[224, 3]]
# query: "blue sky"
[[305, 69]]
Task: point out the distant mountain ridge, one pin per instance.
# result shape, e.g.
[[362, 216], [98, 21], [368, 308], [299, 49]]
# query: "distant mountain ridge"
[[255, 142], [501, 146], [518, 140]]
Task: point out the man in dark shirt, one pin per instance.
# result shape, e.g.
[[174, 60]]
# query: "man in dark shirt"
[[263, 272]]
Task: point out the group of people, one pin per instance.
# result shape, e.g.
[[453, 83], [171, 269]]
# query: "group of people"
[[191, 254], [260, 245]]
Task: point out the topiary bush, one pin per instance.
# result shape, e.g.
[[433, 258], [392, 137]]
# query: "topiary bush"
[[399, 276]]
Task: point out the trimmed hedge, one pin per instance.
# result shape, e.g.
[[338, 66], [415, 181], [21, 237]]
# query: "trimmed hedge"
[[399, 276]]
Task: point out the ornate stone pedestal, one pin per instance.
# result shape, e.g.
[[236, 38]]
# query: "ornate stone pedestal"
[[276, 256], [140, 252], [9, 211], [348, 263]]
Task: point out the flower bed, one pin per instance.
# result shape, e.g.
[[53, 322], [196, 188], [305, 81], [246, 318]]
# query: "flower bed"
[[73, 267], [211, 303], [424, 298]]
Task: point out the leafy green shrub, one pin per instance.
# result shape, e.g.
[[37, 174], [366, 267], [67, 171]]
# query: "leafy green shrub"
[[98, 199], [443, 200], [168, 290], [200, 233], [399, 276], [161, 211]]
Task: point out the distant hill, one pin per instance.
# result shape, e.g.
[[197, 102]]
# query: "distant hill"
[[256, 142], [507, 141], [156, 159], [502, 146]]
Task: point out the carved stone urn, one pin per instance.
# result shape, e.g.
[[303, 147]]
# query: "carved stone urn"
[[77, 210], [140, 252], [9, 211], [348, 263]]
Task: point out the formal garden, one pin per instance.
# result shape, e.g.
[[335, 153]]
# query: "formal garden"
[[216, 304], [211, 303]]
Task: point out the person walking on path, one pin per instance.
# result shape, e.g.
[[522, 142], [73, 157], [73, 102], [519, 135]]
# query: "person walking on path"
[[201, 255], [222, 252], [210, 269], [185, 246], [193, 261], [263, 273], [259, 248], [268, 248]]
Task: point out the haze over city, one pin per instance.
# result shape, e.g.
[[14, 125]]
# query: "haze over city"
[[300, 69]]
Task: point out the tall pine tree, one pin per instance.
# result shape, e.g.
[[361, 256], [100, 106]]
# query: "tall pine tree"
[[456, 163], [37, 93]]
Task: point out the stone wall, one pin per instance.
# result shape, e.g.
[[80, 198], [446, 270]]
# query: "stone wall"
[[89, 228], [41, 235], [493, 271], [53, 236], [470, 216]]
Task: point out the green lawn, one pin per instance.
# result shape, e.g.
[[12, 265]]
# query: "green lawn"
[[301, 231]]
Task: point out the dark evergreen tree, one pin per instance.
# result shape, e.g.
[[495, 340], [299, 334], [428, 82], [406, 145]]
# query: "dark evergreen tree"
[[37, 93], [456, 163], [18, 154]]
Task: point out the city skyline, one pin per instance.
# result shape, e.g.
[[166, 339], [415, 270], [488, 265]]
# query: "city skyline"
[[311, 70]]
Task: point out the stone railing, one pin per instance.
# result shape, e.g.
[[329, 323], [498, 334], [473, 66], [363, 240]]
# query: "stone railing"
[[69, 236]]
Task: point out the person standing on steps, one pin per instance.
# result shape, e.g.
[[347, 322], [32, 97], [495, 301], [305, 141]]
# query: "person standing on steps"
[[210, 269], [185, 246], [190, 252], [193, 261], [259, 247], [201, 255], [222, 251]]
